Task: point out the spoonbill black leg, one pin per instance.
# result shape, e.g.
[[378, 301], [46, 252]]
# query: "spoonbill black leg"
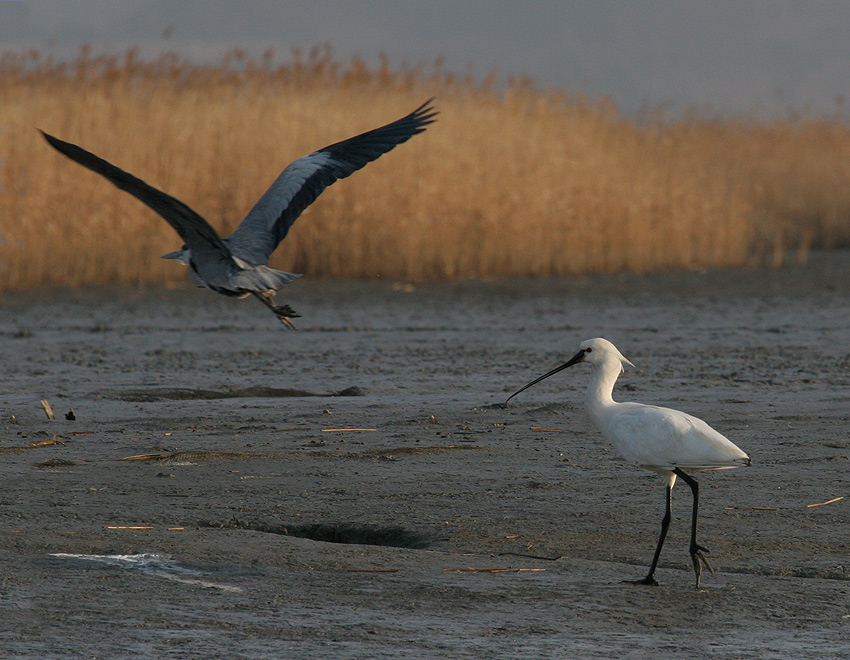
[[696, 550], [665, 523]]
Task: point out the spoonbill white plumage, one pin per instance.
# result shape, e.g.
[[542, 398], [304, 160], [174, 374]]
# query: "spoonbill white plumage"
[[660, 439], [236, 266]]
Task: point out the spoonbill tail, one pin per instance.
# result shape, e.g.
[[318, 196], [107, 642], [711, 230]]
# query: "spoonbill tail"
[[660, 439], [236, 266]]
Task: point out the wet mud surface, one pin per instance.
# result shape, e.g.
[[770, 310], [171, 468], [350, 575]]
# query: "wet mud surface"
[[355, 489]]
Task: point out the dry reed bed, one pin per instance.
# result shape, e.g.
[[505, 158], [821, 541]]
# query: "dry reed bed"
[[516, 182]]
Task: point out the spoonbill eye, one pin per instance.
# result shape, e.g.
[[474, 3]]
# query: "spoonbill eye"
[[588, 350]]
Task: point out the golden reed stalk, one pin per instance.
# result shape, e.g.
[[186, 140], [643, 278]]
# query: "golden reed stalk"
[[513, 182]]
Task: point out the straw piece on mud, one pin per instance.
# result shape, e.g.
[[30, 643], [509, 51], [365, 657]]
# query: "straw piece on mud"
[[512, 536], [48, 409], [530, 556], [176, 529], [143, 457], [55, 440], [834, 499], [129, 527], [340, 430], [540, 429]]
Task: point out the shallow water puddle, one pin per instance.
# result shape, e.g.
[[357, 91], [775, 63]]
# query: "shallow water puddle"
[[152, 564]]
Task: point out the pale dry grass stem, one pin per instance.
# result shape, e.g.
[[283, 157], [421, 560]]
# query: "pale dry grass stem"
[[514, 182]]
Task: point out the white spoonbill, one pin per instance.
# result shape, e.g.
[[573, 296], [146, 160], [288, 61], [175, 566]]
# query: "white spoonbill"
[[236, 266], [660, 439]]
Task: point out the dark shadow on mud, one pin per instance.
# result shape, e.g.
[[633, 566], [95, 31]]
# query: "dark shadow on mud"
[[351, 533], [186, 394]]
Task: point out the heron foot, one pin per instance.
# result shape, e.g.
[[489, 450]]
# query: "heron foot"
[[285, 313], [285, 310]]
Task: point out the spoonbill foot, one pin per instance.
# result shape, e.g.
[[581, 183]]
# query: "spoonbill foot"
[[648, 580], [697, 556]]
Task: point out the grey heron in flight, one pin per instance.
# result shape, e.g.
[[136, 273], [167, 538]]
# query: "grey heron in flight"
[[236, 266]]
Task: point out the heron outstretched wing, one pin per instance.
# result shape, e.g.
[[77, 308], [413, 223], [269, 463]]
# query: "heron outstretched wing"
[[206, 245], [303, 180]]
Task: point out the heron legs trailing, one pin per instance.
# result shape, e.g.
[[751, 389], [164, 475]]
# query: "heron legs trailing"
[[284, 313], [696, 550]]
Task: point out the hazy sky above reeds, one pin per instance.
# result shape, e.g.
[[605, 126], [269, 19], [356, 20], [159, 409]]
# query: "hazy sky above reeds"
[[745, 56]]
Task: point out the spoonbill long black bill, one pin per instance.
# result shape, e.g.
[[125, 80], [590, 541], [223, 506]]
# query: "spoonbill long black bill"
[[236, 266], [660, 439]]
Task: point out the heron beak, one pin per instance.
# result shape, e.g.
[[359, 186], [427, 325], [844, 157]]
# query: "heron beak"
[[575, 359]]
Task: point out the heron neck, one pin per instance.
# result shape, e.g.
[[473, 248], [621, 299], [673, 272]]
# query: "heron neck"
[[598, 396]]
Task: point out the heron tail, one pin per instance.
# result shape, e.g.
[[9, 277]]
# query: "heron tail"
[[262, 278]]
